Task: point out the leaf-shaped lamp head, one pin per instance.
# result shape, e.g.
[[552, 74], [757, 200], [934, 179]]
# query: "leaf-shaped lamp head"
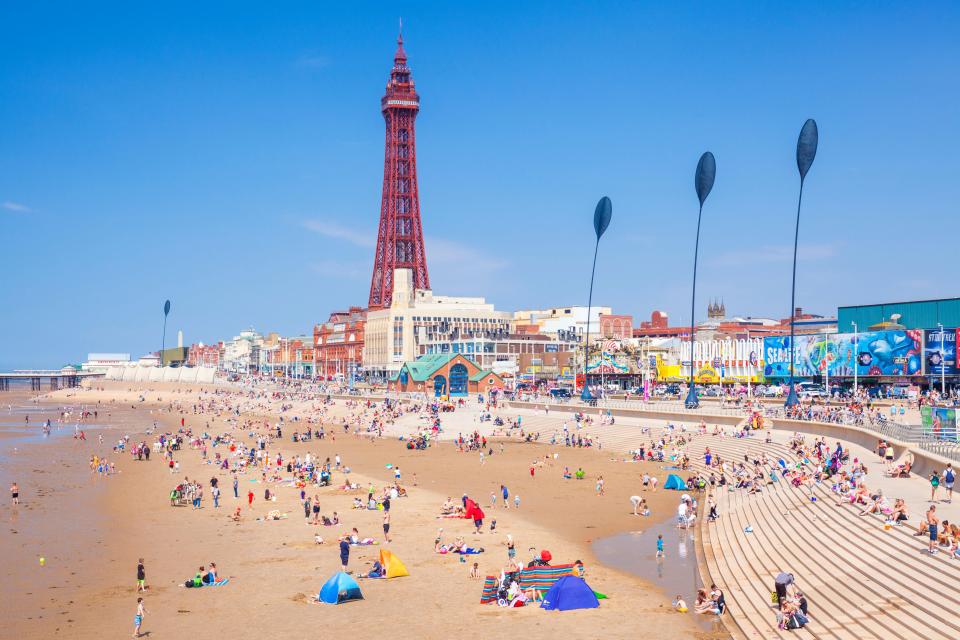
[[602, 215], [706, 174], [807, 147]]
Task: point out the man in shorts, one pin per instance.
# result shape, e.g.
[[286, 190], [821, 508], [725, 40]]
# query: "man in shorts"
[[932, 523], [386, 526]]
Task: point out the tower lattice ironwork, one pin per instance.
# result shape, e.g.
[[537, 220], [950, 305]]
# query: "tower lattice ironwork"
[[400, 235]]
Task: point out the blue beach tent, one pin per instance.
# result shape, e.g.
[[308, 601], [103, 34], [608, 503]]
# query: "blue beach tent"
[[569, 592], [675, 482], [340, 588]]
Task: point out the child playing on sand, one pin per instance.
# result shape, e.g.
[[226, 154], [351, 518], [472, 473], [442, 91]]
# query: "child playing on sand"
[[138, 618], [679, 604], [141, 576], [659, 546], [475, 571]]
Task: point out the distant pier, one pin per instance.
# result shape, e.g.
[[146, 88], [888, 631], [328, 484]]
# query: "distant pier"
[[55, 378]]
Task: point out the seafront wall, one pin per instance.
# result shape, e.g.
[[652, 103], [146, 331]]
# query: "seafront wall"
[[188, 375]]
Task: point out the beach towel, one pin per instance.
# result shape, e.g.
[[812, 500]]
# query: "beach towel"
[[218, 583], [489, 593], [542, 578]]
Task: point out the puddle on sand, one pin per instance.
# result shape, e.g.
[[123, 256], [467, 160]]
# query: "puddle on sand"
[[636, 552]]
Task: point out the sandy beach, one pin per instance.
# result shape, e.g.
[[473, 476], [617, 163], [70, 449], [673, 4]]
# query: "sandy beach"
[[91, 529]]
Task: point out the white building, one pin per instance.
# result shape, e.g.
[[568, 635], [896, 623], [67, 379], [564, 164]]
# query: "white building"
[[242, 352], [726, 360], [557, 319], [100, 362], [417, 316]]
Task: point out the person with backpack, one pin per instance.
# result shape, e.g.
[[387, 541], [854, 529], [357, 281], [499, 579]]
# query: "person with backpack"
[[949, 475], [934, 485]]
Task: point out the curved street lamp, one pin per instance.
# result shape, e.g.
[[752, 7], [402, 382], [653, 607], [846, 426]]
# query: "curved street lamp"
[[703, 181], [163, 341], [806, 152], [601, 220]]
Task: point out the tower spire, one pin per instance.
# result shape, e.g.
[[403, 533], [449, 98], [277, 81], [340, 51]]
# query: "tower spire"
[[400, 54]]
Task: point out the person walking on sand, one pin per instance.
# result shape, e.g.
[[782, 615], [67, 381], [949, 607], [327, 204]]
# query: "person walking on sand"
[[141, 576], [660, 546], [236, 486], [600, 485], [506, 496], [344, 552], [250, 499], [386, 526], [15, 493], [138, 618]]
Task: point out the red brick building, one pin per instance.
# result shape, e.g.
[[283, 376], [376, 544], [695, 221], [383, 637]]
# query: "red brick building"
[[339, 343], [616, 326], [205, 355]]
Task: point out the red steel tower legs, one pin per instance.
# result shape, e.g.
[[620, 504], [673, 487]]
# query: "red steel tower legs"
[[400, 235]]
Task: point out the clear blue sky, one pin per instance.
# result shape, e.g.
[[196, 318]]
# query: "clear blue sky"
[[228, 156]]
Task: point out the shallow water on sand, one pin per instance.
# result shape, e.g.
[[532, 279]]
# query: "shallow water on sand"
[[676, 573]]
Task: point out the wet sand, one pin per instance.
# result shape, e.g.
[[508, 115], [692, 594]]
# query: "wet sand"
[[92, 530]]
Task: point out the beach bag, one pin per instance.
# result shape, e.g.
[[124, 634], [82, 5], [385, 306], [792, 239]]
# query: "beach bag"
[[773, 598]]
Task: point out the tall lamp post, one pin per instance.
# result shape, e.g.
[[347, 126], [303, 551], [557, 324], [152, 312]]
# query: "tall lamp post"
[[163, 340], [601, 220], [856, 357], [943, 362], [703, 181], [806, 152]]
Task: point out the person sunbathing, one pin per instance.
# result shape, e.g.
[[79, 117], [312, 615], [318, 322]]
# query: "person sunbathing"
[[879, 505], [901, 470], [860, 495], [899, 512]]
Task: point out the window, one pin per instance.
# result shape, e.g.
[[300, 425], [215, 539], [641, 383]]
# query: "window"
[[458, 380]]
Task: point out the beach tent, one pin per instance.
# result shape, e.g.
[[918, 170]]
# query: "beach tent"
[[675, 482], [569, 592], [392, 567], [340, 588]]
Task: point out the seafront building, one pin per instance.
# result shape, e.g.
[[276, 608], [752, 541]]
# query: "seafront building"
[[338, 343], [553, 321], [392, 335]]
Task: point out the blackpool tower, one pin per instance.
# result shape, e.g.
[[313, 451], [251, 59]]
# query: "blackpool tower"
[[400, 235]]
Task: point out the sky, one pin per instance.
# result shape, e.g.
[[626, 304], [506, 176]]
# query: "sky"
[[229, 156]]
